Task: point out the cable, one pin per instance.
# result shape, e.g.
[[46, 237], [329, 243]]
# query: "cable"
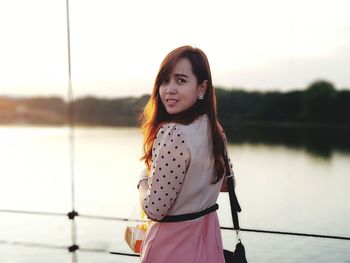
[[70, 116], [28, 244], [68, 214], [142, 221], [48, 246], [31, 212], [291, 233], [287, 233], [124, 254]]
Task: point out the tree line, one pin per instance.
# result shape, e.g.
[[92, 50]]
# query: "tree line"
[[319, 104]]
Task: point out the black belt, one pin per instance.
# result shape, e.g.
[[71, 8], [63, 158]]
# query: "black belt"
[[190, 216]]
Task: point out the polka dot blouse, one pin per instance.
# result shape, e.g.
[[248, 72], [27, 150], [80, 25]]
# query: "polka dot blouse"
[[170, 157]]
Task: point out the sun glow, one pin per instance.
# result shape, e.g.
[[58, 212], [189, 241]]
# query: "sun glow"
[[117, 46]]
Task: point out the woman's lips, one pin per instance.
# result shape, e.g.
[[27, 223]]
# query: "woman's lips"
[[171, 102]]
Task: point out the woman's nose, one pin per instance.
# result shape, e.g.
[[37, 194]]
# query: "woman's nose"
[[171, 89]]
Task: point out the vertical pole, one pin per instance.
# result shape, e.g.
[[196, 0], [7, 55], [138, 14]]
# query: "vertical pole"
[[70, 113]]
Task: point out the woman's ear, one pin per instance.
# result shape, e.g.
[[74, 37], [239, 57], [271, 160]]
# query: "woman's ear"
[[203, 88]]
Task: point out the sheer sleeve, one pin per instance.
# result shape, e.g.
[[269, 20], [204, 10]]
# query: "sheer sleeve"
[[170, 159]]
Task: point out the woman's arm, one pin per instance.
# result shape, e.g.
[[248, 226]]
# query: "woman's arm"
[[169, 167], [143, 187]]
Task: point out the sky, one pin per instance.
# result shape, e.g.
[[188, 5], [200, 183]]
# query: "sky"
[[117, 46]]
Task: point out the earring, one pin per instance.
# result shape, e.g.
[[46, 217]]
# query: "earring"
[[201, 97]]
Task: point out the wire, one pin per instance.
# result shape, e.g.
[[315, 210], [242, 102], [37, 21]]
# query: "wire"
[[142, 221], [28, 244], [70, 115], [66, 214], [291, 233], [124, 254], [32, 212], [48, 246]]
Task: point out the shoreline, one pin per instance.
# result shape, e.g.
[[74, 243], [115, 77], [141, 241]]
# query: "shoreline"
[[245, 124]]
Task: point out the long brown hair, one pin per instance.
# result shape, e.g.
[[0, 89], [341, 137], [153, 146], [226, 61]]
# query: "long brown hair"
[[155, 114]]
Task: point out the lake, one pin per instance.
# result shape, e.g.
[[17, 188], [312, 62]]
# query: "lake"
[[280, 188]]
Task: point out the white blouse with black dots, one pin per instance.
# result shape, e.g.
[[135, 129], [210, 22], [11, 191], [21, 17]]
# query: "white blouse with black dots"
[[182, 169], [170, 157]]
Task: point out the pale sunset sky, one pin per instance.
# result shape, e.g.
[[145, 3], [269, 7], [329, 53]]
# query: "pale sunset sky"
[[117, 46]]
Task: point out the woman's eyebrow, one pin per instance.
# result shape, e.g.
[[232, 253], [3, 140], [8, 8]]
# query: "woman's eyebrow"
[[180, 75]]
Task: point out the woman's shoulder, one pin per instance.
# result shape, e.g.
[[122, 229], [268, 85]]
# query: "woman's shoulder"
[[167, 131], [170, 137], [171, 129], [198, 128], [198, 124]]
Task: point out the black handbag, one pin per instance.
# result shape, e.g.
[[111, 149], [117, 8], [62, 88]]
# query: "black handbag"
[[237, 256]]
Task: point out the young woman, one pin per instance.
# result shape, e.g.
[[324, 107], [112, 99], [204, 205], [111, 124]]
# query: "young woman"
[[184, 152]]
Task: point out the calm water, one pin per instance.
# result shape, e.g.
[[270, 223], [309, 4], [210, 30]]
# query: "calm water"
[[280, 188]]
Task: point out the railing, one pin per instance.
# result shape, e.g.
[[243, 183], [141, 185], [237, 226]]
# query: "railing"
[[74, 247]]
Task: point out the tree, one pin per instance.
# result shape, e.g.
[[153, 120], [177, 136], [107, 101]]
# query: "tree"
[[318, 102]]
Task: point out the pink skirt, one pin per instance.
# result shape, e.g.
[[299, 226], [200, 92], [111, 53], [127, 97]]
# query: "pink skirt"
[[193, 241]]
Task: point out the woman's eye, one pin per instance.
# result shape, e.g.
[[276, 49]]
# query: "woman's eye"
[[181, 81]]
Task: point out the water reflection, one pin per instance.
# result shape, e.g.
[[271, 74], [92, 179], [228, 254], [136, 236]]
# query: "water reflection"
[[321, 142], [107, 168]]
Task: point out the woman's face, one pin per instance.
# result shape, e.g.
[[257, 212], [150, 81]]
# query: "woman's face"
[[181, 90]]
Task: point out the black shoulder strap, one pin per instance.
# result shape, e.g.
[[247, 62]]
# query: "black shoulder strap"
[[235, 207]]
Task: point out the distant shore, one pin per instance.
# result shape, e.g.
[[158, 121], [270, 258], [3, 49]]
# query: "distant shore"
[[319, 106]]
